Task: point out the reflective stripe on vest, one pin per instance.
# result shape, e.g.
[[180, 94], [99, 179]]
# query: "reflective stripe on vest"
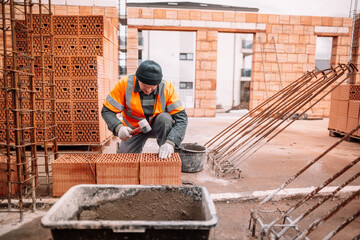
[[173, 106], [114, 103], [128, 97]]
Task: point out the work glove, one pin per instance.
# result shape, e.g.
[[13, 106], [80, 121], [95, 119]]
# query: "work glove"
[[124, 133], [166, 150]]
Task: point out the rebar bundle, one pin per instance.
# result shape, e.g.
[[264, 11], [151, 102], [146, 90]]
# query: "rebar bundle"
[[244, 137], [286, 224], [27, 99]]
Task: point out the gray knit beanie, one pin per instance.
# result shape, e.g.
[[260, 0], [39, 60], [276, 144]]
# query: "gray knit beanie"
[[149, 72]]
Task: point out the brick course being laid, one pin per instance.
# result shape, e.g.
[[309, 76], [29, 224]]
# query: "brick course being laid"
[[294, 36], [154, 170], [72, 169], [128, 168], [122, 168]]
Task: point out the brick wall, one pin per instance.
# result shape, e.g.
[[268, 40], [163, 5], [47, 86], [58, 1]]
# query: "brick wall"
[[356, 51], [294, 36]]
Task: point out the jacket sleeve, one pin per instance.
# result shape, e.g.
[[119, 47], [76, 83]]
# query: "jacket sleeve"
[[115, 100], [177, 133], [173, 103], [112, 121]]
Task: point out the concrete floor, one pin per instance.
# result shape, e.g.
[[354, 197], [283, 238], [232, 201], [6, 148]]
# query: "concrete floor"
[[267, 169], [274, 163]]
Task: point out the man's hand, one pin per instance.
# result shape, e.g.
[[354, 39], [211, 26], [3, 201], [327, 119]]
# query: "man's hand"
[[166, 150], [124, 133]]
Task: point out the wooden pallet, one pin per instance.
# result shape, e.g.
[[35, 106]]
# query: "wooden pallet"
[[337, 133]]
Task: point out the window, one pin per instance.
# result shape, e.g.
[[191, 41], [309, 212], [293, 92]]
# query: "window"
[[186, 85], [186, 56]]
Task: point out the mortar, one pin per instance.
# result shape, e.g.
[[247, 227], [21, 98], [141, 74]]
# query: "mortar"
[[176, 212]]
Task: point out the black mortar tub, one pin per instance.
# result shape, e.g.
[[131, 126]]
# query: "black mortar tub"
[[192, 157], [62, 220]]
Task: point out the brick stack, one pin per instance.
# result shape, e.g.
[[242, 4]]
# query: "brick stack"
[[154, 170], [85, 69], [4, 174], [345, 108], [22, 45], [85, 62], [72, 169], [133, 168]]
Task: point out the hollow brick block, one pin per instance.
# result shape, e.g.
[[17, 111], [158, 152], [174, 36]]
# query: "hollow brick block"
[[154, 170], [119, 168], [72, 169], [4, 174]]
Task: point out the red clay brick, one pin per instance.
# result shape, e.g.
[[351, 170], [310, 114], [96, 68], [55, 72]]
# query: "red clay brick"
[[295, 20], [288, 29], [4, 176], [118, 168], [298, 29], [85, 10], [159, 13], [294, 38], [147, 13], [195, 15], [292, 57], [327, 21], [283, 38], [111, 12], [316, 21], [133, 12], [337, 21], [262, 18], [347, 22], [229, 16], [284, 19], [212, 35], [304, 39], [240, 17], [305, 20], [183, 14], [251, 17], [277, 29], [154, 170], [273, 19], [302, 58], [171, 14], [218, 16], [73, 10], [206, 16], [72, 169]]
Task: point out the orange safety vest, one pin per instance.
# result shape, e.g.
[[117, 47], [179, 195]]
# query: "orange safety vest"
[[122, 98]]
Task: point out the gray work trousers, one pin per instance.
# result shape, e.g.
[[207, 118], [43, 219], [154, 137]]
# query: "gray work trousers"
[[161, 127]]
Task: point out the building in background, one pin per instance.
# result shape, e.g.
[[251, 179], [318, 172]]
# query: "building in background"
[[284, 47], [233, 71]]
